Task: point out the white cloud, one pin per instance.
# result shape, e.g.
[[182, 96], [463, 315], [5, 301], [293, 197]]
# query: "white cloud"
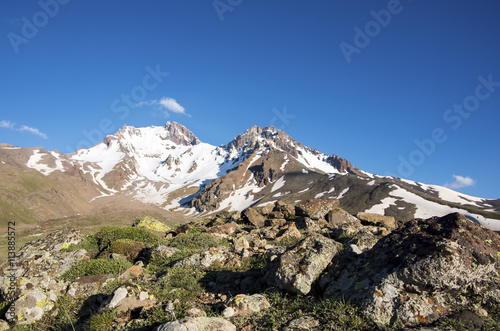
[[33, 130], [166, 105], [9, 125], [6, 124], [460, 182]]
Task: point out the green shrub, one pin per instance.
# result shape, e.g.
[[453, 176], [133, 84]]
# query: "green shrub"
[[89, 243], [179, 283], [332, 314], [102, 320], [108, 234], [127, 247], [96, 267]]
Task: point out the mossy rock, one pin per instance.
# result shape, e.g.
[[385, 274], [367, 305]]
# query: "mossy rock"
[[152, 224], [128, 247]]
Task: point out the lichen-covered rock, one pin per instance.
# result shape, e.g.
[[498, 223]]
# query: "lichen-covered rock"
[[37, 275], [243, 304], [163, 251], [298, 267], [377, 220], [152, 224], [339, 217], [254, 217], [209, 257], [316, 209], [128, 297], [302, 324], [423, 271], [198, 324], [88, 285], [288, 231]]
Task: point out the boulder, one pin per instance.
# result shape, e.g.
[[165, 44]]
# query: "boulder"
[[207, 258], [423, 271], [243, 304], [300, 265], [288, 231], [377, 220], [224, 229], [198, 324], [302, 324], [267, 209], [86, 286], [133, 271], [286, 209], [163, 251], [316, 209], [307, 224], [339, 217], [254, 217]]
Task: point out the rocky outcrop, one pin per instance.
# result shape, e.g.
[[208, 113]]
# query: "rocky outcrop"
[[299, 266], [344, 166], [37, 275], [422, 271], [316, 209]]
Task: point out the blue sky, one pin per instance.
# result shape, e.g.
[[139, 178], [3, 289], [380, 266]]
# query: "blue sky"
[[407, 88]]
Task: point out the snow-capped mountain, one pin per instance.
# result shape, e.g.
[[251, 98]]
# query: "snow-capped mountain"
[[170, 167]]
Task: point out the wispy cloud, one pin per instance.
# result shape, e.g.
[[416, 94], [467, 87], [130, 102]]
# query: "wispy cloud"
[[6, 124], [9, 125], [34, 131], [165, 105], [460, 182]]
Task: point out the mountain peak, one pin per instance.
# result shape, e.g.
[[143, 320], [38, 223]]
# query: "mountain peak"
[[181, 135]]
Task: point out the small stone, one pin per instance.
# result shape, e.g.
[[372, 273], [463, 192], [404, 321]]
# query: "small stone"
[[118, 296], [143, 296], [228, 312]]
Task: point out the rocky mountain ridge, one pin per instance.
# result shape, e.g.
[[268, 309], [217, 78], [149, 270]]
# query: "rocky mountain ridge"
[[171, 168]]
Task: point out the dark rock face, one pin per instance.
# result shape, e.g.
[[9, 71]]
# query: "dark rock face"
[[344, 166], [422, 271]]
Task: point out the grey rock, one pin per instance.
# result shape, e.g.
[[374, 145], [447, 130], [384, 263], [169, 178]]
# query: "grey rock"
[[300, 265], [198, 324]]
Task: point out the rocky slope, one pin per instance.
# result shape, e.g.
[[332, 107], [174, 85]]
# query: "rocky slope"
[[290, 267], [169, 167]]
